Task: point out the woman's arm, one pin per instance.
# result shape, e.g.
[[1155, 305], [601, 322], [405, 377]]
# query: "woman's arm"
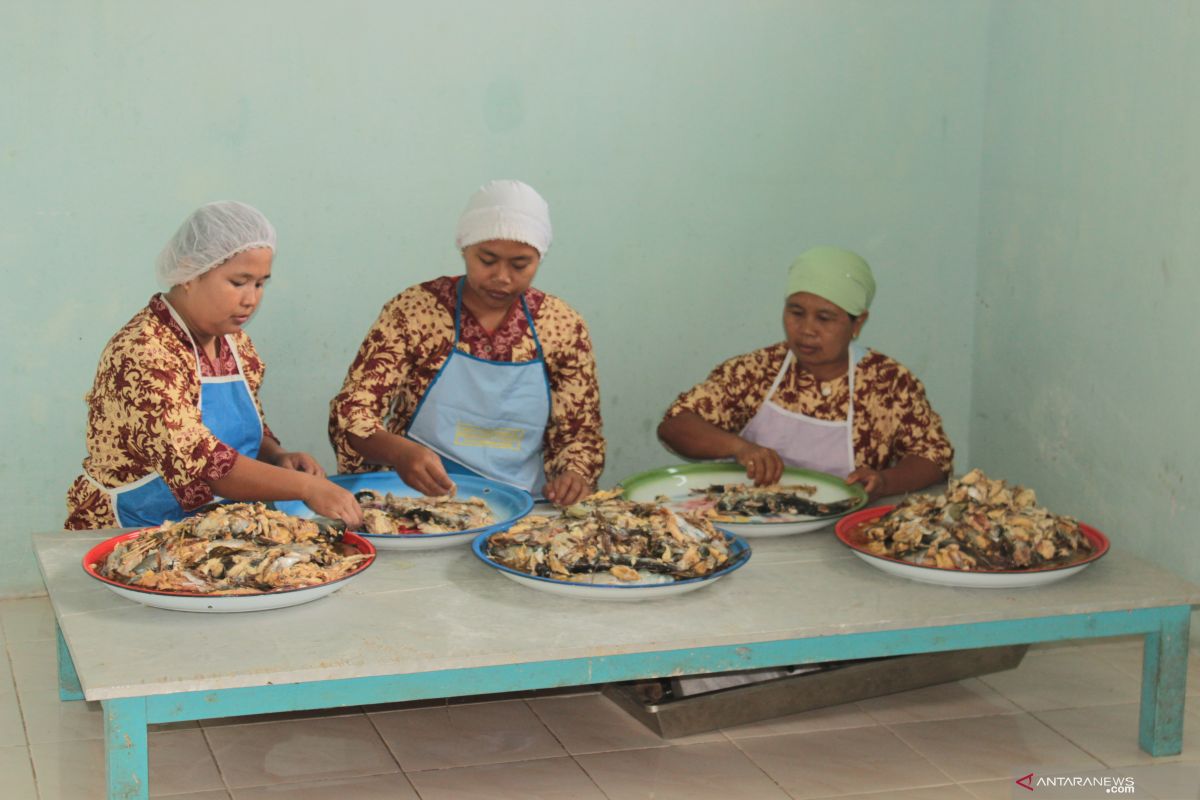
[[251, 479], [910, 474], [374, 381], [415, 463], [271, 452], [574, 441], [691, 436]]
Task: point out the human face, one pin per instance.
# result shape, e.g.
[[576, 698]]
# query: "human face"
[[819, 333], [222, 300], [498, 272]]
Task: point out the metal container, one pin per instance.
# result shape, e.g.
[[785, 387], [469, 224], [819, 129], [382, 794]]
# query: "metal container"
[[659, 706]]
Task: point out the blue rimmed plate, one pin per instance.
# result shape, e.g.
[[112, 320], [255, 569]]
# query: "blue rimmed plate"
[[739, 554], [508, 504]]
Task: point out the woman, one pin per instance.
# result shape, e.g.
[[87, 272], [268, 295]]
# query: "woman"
[[174, 420], [818, 400], [478, 373]]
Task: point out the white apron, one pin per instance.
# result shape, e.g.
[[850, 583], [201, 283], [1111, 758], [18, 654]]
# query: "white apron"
[[803, 441]]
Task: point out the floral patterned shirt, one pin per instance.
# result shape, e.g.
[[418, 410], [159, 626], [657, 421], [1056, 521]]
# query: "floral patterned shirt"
[[412, 338], [144, 416], [892, 417]]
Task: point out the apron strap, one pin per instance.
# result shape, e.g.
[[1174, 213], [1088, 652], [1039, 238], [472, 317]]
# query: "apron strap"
[[458, 301]]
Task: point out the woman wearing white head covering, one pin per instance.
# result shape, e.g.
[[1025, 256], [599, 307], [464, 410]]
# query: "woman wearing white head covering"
[[478, 373], [174, 419]]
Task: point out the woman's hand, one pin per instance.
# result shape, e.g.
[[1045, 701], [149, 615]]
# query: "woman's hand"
[[421, 469], [763, 465], [330, 500], [301, 462], [567, 488], [872, 481]]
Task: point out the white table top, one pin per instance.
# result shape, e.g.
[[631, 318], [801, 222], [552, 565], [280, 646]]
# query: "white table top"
[[444, 609]]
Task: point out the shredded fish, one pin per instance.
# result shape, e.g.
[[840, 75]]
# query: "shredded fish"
[[745, 502], [237, 548], [390, 514], [604, 539], [978, 524]]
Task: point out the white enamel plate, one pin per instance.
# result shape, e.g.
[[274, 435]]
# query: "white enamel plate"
[[676, 484]]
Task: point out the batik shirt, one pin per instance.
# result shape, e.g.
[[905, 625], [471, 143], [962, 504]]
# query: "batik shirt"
[[144, 416], [410, 342], [892, 417]]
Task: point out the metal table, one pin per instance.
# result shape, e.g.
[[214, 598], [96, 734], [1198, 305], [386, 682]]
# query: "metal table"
[[441, 624]]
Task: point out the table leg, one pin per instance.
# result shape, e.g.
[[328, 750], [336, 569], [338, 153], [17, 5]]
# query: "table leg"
[[1164, 678], [68, 681], [125, 749]]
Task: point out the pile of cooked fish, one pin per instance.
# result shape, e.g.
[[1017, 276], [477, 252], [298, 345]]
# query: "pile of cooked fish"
[[239, 548], [742, 502], [604, 539], [978, 524], [392, 514]]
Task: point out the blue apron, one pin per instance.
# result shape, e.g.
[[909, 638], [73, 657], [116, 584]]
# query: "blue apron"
[[227, 409], [487, 418]]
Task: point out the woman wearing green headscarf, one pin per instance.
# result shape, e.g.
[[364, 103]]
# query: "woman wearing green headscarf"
[[817, 400]]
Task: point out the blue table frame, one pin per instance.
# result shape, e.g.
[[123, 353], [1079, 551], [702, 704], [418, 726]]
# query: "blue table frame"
[[1164, 675]]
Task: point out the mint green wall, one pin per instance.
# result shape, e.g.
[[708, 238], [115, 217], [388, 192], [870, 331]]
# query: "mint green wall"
[[1087, 367], [688, 150]]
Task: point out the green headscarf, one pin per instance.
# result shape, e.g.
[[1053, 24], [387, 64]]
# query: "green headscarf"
[[841, 277]]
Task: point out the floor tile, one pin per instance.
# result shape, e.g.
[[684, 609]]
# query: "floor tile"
[[982, 748], [180, 762], [12, 730], [1001, 789], [591, 723], [465, 735], [393, 786], [215, 794], [1124, 655], [287, 716], [7, 684], [1127, 657], [847, 715], [16, 774], [379, 708], [1064, 679], [852, 760], [556, 691], [298, 750], [709, 771], [948, 792], [969, 698], [27, 620], [1110, 733], [543, 779], [50, 719], [34, 665], [1174, 781]]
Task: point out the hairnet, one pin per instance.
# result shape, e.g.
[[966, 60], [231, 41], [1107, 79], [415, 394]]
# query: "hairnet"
[[506, 210], [210, 236], [841, 277]]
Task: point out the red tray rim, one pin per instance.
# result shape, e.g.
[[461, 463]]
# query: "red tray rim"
[[100, 552], [848, 523]]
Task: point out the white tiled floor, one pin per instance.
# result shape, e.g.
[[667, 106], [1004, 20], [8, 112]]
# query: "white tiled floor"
[[1070, 709]]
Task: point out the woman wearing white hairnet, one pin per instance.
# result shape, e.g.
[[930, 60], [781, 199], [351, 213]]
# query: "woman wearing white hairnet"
[[479, 373], [173, 416]]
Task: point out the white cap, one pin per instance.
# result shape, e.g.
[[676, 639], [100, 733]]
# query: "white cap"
[[509, 210], [210, 236]]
